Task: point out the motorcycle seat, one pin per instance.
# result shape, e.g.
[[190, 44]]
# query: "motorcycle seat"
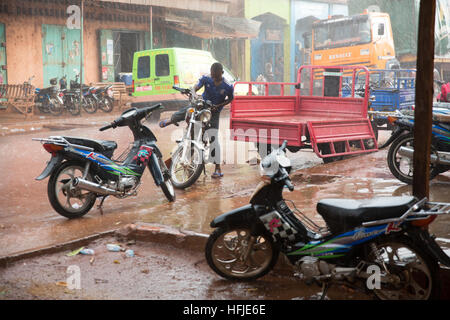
[[103, 146], [345, 214]]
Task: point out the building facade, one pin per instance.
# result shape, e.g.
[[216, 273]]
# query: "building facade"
[[42, 38]]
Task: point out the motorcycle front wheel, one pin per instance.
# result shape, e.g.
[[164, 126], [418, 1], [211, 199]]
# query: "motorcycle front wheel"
[[233, 254], [89, 105], [68, 201], [54, 107], [73, 106], [414, 274], [185, 173], [166, 186], [402, 167], [106, 104]]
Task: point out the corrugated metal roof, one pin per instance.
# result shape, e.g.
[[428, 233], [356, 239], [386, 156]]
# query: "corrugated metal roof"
[[213, 6]]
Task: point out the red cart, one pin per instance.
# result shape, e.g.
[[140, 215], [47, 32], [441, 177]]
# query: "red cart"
[[313, 113]]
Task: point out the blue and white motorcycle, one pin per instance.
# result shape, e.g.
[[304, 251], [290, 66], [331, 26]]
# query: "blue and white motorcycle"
[[386, 234], [81, 170]]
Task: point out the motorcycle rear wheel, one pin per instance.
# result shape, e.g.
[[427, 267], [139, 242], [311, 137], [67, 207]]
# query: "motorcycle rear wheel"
[[417, 272], [402, 167], [70, 203], [225, 253]]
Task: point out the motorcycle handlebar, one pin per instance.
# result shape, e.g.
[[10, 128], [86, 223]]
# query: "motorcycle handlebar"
[[106, 127], [284, 145], [289, 184], [184, 91]]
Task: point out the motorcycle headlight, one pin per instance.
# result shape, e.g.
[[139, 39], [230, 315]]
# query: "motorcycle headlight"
[[205, 116]]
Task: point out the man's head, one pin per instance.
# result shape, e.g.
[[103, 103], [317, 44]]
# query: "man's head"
[[216, 71]]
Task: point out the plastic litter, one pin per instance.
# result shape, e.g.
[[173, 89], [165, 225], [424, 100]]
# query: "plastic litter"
[[129, 253], [113, 247], [87, 252]]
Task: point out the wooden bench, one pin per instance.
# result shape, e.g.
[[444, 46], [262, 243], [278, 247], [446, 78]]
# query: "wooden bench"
[[119, 89], [18, 96]]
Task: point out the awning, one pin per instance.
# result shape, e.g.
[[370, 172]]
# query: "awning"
[[213, 6], [218, 27]]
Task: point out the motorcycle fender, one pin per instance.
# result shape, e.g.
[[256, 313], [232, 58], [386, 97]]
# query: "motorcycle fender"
[[51, 165], [235, 217], [395, 134], [155, 170], [434, 248]]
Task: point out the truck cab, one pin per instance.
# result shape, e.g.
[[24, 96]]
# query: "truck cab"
[[364, 39]]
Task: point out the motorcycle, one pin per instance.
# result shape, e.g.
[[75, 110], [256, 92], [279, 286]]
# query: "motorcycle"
[[88, 102], [48, 100], [386, 234], [80, 169], [70, 97], [188, 159], [104, 98], [401, 141]]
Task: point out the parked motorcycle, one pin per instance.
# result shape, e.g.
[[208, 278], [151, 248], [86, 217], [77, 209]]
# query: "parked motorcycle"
[[386, 234], [70, 98], [188, 159], [104, 98], [48, 100], [80, 169], [88, 102], [401, 141]]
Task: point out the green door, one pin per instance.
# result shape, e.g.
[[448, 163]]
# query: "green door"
[[3, 74], [60, 52], [107, 55]]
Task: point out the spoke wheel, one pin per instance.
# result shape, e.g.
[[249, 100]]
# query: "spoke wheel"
[[413, 274], [234, 254], [185, 173], [402, 167]]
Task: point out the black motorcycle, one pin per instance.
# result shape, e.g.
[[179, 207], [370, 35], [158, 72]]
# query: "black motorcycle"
[[71, 97], [401, 141], [80, 169], [103, 97], [381, 239], [49, 100]]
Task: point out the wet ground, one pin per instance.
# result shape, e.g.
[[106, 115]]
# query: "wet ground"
[[28, 222], [155, 272], [27, 214]]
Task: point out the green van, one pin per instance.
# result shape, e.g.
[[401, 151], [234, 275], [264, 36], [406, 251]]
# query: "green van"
[[156, 71]]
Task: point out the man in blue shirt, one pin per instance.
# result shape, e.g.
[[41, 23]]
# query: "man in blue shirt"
[[220, 93]]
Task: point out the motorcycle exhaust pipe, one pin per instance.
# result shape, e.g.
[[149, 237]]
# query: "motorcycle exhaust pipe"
[[440, 158], [93, 187]]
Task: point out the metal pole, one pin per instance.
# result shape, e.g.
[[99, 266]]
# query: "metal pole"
[[81, 53], [151, 27]]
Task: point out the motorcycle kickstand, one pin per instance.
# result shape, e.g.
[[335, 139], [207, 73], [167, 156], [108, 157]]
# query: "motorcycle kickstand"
[[100, 206], [325, 287]]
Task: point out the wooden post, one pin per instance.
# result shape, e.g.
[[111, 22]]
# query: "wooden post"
[[424, 99]]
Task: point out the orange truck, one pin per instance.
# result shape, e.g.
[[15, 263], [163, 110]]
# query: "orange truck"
[[364, 39]]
